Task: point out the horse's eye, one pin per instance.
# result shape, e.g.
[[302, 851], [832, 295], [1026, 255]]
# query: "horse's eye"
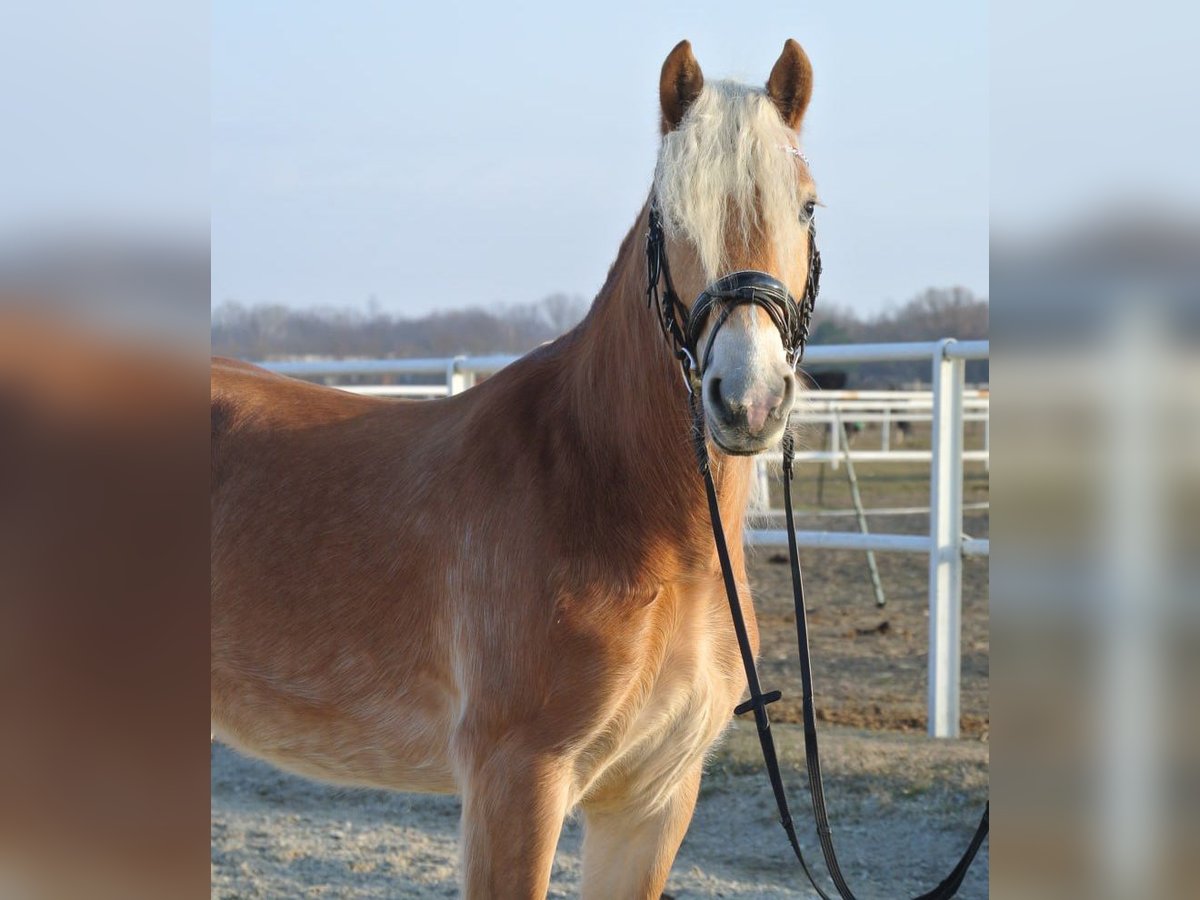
[[810, 209]]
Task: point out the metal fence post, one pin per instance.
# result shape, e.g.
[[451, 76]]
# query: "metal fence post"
[[760, 487], [945, 552], [458, 380], [835, 441]]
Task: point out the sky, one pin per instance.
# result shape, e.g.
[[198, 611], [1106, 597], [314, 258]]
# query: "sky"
[[478, 154]]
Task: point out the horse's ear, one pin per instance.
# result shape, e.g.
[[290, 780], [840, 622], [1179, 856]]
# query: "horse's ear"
[[790, 84], [679, 85]]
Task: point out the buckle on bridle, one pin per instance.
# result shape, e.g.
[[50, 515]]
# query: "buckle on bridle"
[[691, 371]]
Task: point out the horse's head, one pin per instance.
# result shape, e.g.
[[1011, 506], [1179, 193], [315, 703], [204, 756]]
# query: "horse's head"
[[735, 198]]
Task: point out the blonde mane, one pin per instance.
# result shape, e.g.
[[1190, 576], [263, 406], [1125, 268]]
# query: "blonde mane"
[[725, 170]]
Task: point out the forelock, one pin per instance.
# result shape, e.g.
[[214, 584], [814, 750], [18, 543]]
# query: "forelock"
[[725, 170]]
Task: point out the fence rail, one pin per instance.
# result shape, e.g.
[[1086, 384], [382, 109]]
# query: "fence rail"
[[947, 406]]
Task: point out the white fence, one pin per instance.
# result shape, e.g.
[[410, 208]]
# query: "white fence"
[[832, 409], [946, 407]]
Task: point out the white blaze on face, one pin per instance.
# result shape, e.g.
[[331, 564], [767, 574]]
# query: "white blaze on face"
[[748, 384]]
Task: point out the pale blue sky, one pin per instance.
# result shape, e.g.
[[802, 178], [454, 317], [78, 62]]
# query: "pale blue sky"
[[469, 153]]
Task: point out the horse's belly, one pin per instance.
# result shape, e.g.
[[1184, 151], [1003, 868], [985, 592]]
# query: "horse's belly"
[[398, 743]]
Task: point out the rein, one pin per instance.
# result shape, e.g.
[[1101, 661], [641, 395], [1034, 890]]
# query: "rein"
[[682, 330]]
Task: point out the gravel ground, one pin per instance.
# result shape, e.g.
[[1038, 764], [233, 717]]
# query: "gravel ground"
[[903, 806]]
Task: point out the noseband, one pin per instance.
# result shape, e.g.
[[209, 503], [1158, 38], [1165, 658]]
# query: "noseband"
[[682, 327]]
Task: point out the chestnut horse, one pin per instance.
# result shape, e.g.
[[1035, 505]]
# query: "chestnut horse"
[[512, 593]]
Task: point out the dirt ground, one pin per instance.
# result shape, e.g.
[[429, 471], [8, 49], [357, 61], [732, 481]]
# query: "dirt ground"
[[902, 806], [869, 663]]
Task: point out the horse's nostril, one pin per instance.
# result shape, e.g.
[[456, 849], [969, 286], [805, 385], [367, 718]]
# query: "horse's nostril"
[[750, 409], [714, 393], [785, 396], [733, 409]]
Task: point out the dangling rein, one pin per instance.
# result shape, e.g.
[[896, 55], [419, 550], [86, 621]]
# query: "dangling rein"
[[682, 330]]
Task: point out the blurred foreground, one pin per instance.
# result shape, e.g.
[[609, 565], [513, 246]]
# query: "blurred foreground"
[[104, 769]]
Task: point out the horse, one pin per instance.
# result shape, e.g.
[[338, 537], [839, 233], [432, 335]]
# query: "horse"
[[512, 593]]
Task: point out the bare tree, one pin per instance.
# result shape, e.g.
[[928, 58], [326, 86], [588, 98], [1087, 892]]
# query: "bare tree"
[[274, 332]]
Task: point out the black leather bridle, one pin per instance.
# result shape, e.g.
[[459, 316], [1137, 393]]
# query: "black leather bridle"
[[682, 329]]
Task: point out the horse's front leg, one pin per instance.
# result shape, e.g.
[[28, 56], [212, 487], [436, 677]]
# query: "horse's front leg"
[[514, 803], [630, 844]]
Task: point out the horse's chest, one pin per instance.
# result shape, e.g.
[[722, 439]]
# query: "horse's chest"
[[687, 699]]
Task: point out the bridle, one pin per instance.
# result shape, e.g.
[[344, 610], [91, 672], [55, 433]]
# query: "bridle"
[[682, 329]]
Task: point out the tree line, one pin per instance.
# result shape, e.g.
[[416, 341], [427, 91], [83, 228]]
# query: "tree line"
[[272, 332], [933, 314]]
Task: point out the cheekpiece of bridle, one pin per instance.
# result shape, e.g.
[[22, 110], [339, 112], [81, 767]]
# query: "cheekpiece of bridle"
[[683, 327]]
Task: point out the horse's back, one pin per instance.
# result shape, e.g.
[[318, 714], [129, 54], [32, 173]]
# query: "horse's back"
[[295, 464]]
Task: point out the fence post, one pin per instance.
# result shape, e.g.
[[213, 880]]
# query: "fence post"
[[835, 439], [760, 487], [457, 380], [945, 551]]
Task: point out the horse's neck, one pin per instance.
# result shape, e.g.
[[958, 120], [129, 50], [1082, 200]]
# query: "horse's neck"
[[631, 401]]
